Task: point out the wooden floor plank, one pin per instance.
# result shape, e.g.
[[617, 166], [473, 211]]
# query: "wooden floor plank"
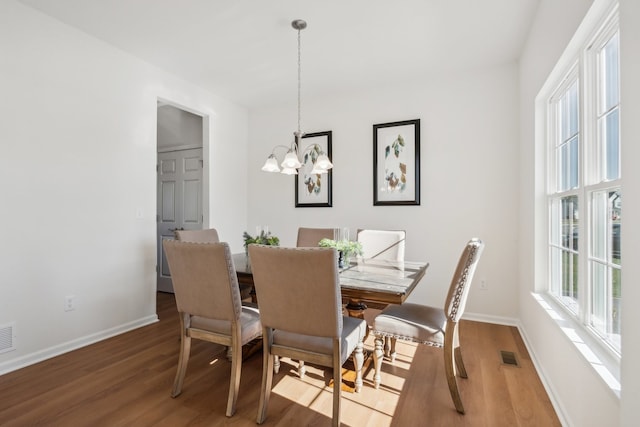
[[126, 381]]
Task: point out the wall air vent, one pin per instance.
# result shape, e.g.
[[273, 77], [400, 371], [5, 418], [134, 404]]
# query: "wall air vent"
[[7, 337]]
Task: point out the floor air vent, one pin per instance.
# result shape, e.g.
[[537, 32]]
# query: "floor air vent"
[[7, 337], [508, 358]]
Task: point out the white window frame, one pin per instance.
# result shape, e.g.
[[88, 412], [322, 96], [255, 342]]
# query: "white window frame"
[[553, 194], [595, 179], [591, 35]]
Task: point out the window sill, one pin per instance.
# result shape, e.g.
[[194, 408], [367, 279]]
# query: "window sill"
[[595, 352]]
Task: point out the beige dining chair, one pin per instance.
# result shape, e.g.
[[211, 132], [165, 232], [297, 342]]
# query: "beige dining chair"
[[434, 326], [382, 244], [208, 301], [301, 313], [309, 237], [210, 235], [198, 236]]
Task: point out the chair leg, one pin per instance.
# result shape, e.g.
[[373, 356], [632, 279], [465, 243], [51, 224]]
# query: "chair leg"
[[276, 364], [337, 383], [183, 360], [462, 372], [301, 369], [267, 377], [359, 362], [390, 348], [378, 355], [449, 366], [236, 370]]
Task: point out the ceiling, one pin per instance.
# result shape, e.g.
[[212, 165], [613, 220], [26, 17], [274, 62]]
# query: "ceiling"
[[246, 50]]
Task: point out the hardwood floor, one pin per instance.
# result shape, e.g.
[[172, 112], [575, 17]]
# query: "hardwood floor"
[[126, 381]]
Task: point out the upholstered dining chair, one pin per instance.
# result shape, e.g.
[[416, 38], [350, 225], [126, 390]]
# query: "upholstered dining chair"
[[210, 235], [382, 244], [301, 313], [208, 301], [198, 236], [433, 326], [309, 237]]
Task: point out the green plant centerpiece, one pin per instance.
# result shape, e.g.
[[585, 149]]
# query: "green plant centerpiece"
[[264, 238], [346, 249]]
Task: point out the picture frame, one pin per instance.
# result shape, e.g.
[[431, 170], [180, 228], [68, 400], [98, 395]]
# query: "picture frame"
[[396, 163], [314, 190]]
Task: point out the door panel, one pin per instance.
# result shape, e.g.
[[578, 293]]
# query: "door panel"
[[192, 192], [179, 201], [168, 194]]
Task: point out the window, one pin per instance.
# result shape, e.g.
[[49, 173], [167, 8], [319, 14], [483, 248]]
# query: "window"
[[584, 191]]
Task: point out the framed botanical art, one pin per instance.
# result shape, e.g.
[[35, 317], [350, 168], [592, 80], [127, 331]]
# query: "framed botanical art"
[[396, 163], [313, 190]]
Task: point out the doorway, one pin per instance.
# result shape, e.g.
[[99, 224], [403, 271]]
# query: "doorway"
[[180, 140]]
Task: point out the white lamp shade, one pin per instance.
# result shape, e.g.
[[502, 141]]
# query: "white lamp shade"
[[316, 170], [289, 171], [271, 165], [323, 162], [291, 161]]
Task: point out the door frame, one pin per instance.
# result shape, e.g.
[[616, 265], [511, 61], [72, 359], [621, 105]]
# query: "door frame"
[[206, 136]]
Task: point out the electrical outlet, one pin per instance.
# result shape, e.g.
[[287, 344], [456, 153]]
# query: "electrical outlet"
[[69, 303], [483, 285]]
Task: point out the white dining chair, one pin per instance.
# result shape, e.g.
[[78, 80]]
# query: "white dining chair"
[[382, 244]]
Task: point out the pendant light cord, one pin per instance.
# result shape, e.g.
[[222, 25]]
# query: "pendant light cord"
[[299, 85]]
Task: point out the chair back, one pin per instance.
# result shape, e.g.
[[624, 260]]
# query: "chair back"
[[460, 284], [198, 236], [204, 279], [382, 244], [309, 237], [298, 289]]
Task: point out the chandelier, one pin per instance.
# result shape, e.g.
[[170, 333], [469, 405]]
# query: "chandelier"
[[291, 162]]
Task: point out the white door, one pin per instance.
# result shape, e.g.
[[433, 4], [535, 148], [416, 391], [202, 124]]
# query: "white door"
[[179, 201]]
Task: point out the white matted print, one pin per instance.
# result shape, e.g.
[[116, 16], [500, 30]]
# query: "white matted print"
[[396, 163], [312, 189]]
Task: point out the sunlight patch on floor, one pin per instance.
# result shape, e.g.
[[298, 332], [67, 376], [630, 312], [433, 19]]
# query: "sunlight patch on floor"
[[369, 407]]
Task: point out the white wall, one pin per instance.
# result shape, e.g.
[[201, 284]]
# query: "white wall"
[[78, 140], [469, 176], [630, 131], [582, 397]]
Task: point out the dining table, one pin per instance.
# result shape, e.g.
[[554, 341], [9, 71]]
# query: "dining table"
[[365, 282]]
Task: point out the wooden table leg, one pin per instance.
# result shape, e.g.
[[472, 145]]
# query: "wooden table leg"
[[356, 308]]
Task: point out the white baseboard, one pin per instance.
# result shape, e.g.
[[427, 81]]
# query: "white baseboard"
[[48, 353], [487, 318]]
